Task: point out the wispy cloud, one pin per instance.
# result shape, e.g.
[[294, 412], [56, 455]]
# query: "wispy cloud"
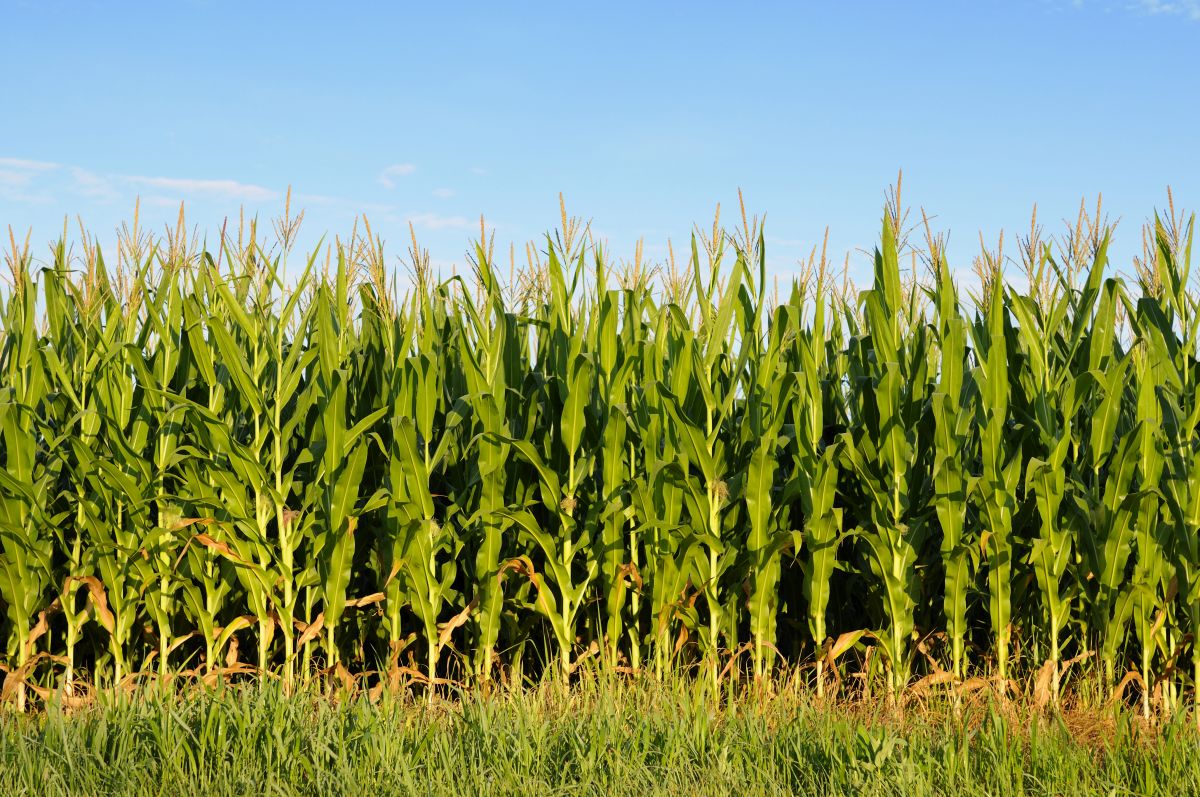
[[29, 181], [88, 184], [28, 165], [20, 180], [224, 189], [14, 179], [435, 221], [387, 177], [1182, 8], [24, 180], [1187, 9], [17, 186]]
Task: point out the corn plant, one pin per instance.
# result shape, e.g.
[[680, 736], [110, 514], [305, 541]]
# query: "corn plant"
[[217, 467], [889, 379]]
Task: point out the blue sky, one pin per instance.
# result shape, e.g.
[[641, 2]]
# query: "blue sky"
[[644, 114]]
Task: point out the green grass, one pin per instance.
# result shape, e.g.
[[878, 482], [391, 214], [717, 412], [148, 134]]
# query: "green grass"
[[617, 739]]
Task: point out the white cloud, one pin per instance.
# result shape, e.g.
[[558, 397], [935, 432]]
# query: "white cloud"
[[29, 181], [387, 177], [12, 179], [435, 221], [1184, 8], [1189, 9], [19, 180], [226, 189], [443, 193], [28, 165], [17, 186], [93, 186]]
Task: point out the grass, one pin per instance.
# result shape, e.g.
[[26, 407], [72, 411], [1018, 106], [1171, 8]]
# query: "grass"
[[631, 738]]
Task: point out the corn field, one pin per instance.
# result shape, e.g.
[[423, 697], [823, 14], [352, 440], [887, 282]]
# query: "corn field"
[[230, 460]]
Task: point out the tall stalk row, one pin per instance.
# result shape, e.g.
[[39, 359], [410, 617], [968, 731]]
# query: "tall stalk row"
[[234, 460]]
